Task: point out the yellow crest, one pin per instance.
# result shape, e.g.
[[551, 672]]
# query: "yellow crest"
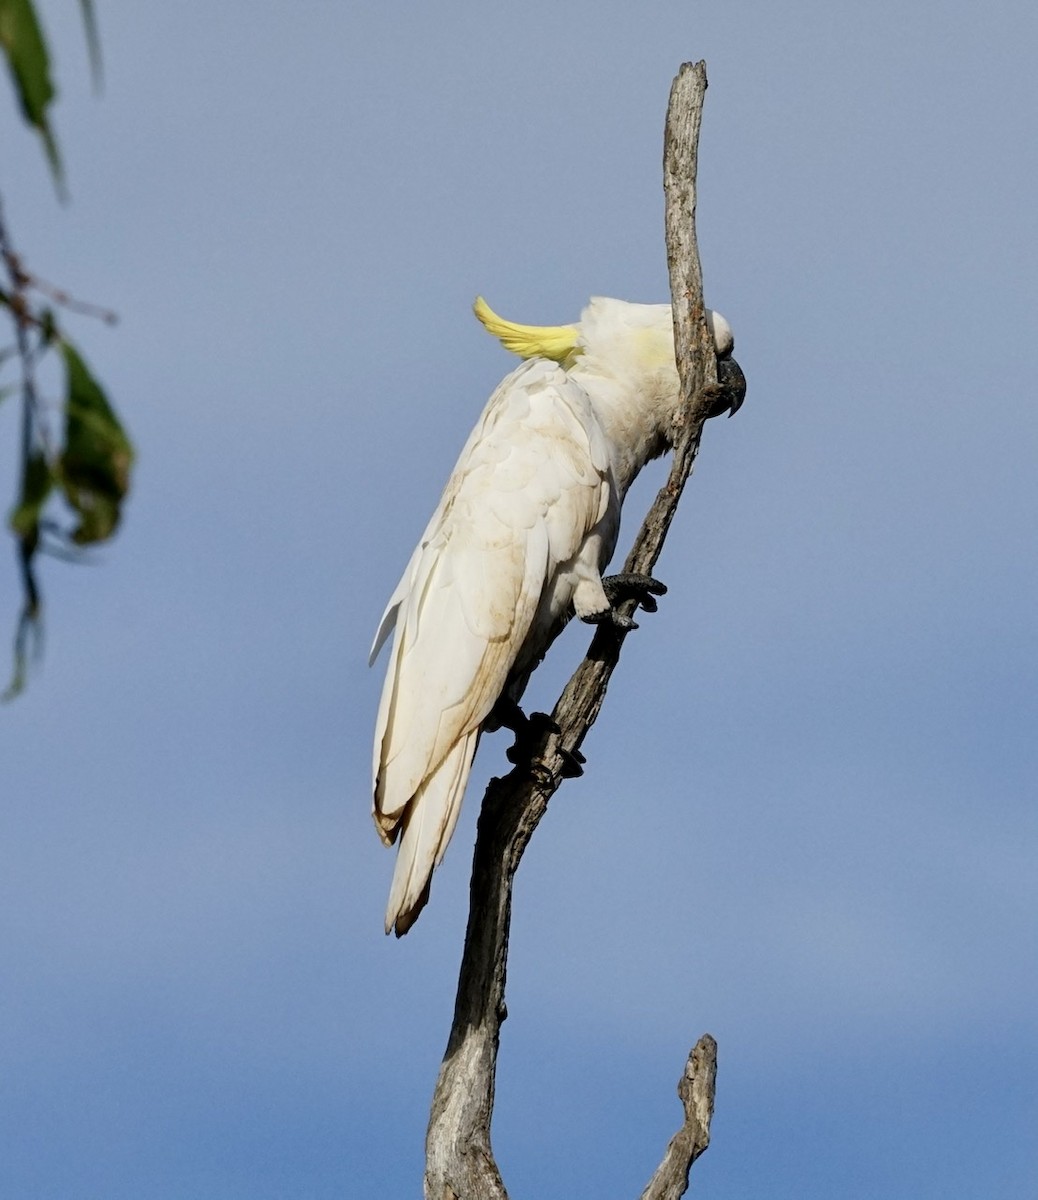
[[557, 342]]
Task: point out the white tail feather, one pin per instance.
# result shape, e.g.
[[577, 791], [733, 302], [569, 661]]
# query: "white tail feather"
[[426, 828]]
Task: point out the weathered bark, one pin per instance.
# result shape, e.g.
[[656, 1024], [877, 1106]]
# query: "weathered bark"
[[696, 1090], [459, 1161]]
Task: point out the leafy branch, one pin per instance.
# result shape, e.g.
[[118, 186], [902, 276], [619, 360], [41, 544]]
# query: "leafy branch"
[[85, 457]]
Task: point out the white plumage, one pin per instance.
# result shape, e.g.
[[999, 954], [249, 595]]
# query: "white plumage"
[[524, 529]]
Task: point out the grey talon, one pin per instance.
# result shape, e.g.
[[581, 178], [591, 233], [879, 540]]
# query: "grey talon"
[[630, 585], [528, 730]]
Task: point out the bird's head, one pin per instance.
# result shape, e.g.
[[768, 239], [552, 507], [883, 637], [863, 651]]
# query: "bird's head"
[[638, 335]]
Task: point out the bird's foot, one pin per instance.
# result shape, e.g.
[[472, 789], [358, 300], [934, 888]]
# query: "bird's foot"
[[529, 732], [528, 746], [572, 763], [571, 767], [628, 585], [631, 585], [506, 714]]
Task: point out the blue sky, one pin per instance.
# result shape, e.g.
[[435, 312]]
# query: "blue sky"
[[808, 821]]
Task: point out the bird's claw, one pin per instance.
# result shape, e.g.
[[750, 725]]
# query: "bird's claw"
[[572, 763], [630, 585], [528, 732], [572, 767], [609, 616], [506, 714]]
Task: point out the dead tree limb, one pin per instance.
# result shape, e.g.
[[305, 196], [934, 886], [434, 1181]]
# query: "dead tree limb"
[[696, 1090], [459, 1162]]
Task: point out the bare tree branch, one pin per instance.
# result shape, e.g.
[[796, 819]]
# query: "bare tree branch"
[[696, 1090], [459, 1161]]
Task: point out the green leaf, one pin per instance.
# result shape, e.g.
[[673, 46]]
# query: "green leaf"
[[94, 467], [21, 39], [48, 327], [37, 482]]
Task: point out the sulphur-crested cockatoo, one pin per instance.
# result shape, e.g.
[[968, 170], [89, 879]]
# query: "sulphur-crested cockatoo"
[[524, 529]]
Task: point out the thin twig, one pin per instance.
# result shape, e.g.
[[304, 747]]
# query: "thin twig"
[[22, 318], [28, 633], [65, 300]]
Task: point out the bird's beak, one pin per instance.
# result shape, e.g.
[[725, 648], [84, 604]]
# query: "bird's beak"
[[731, 385]]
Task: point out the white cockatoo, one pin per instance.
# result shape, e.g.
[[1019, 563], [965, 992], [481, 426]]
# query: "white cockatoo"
[[518, 543]]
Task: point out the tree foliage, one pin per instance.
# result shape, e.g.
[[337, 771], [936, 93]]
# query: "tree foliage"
[[75, 469]]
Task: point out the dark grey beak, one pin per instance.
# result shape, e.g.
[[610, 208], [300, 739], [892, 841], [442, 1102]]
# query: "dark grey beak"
[[731, 388]]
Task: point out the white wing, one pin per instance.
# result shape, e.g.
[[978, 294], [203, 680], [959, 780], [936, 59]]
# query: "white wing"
[[530, 500]]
